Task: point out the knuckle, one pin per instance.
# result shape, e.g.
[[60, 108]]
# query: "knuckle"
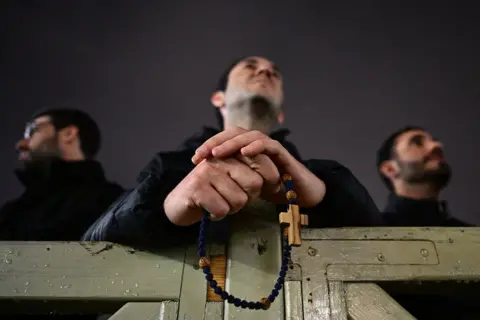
[[239, 202], [258, 133], [221, 210], [256, 183], [274, 143], [201, 170]]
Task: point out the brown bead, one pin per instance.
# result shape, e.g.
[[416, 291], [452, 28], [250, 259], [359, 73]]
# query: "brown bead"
[[291, 195], [266, 303], [287, 177], [204, 262]]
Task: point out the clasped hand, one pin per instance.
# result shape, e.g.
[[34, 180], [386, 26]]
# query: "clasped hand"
[[233, 168]]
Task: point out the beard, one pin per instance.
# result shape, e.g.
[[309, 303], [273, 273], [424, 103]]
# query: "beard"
[[414, 172], [251, 111], [42, 155]]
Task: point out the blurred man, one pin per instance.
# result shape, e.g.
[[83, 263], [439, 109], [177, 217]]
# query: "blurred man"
[[174, 188], [65, 188], [412, 165]]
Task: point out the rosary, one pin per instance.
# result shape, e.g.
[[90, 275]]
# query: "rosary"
[[292, 220]]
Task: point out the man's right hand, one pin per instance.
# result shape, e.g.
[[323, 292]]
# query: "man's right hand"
[[220, 186]]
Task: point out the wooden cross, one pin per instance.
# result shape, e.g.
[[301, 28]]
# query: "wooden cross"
[[294, 221]]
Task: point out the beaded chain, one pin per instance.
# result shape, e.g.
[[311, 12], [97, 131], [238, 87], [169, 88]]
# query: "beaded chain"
[[204, 263]]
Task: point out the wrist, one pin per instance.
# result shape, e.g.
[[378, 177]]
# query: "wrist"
[[178, 214]]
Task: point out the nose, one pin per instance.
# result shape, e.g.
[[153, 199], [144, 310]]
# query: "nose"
[[21, 145], [265, 69], [435, 145]]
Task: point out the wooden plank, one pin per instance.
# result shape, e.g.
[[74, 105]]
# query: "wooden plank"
[[218, 265], [168, 310], [193, 294], [165, 310], [367, 301], [338, 304], [293, 300], [457, 260], [214, 311], [138, 310], [58, 270], [437, 234], [254, 260], [316, 256]]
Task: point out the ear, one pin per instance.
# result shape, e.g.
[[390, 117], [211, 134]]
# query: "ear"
[[389, 169], [68, 134], [218, 99], [281, 117]]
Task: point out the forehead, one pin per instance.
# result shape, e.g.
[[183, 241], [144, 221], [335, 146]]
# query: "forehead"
[[404, 139], [42, 119], [256, 60]]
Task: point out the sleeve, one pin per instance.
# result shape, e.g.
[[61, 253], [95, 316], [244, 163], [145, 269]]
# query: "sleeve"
[[137, 218], [346, 203]]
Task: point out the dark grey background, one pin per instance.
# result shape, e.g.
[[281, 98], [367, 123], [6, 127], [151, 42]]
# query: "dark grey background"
[[145, 70]]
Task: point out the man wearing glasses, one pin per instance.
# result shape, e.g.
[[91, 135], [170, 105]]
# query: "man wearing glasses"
[[65, 188]]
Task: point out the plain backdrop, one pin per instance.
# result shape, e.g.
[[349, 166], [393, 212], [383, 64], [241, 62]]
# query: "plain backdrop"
[[145, 70]]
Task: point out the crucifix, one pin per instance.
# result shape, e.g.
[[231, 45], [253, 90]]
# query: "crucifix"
[[292, 219]]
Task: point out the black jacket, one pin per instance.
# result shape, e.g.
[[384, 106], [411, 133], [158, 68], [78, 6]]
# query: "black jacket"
[[138, 218], [408, 212], [60, 202]]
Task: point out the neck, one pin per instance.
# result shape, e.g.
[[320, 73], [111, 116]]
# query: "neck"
[[416, 191], [251, 114], [248, 125], [75, 155]]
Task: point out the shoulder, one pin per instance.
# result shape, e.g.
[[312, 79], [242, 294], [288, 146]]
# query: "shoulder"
[[454, 222], [327, 167], [169, 161]]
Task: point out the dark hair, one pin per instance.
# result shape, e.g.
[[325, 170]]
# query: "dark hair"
[[222, 86], [88, 130], [387, 151]]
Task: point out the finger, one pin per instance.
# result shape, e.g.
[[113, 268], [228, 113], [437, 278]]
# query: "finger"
[[265, 167], [233, 145], [273, 149], [205, 149], [249, 180], [209, 199], [231, 192]]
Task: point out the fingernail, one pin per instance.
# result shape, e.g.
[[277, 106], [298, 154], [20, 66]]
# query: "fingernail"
[[216, 151], [200, 150], [215, 218]]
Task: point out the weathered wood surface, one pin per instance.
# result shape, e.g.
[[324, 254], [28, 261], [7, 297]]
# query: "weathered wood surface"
[[166, 310], [193, 294], [321, 278], [253, 265], [367, 301], [293, 300], [86, 271], [214, 311], [338, 304], [380, 254]]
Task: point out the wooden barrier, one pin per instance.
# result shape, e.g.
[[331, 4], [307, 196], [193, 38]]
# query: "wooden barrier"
[[333, 275]]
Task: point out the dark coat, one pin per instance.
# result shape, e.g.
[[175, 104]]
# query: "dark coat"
[[138, 219], [59, 203]]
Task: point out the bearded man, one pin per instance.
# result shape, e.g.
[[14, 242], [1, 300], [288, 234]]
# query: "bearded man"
[[65, 188], [412, 165]]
